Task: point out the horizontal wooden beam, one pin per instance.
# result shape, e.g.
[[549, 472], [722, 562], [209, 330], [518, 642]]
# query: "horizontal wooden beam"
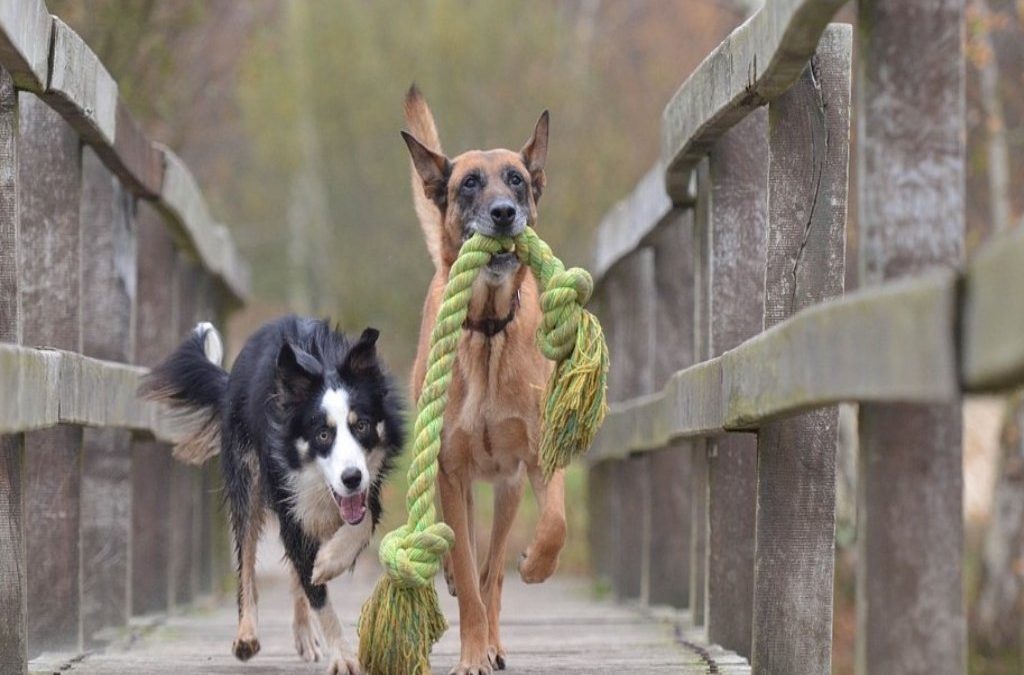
[[41, 388], [626, 225], [47, 57], [25, 29], [755, 64], [891, 343]]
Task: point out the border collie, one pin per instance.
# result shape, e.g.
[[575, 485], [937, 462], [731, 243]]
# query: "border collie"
[[307, 424]]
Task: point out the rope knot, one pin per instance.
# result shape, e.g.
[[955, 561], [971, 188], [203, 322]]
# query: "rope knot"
[[413, 557]]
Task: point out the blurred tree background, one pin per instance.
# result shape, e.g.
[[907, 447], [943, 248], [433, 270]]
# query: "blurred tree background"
[[288, 111]]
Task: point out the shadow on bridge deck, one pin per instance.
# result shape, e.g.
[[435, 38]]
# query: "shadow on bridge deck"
[[554, 627]]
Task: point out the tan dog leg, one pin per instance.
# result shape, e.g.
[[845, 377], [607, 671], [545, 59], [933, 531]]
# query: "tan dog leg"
[[541, 559], [472, 615], [507, 495], [309, 642]]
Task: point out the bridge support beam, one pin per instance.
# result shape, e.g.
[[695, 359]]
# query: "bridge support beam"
[[910, 98], [809, 133]]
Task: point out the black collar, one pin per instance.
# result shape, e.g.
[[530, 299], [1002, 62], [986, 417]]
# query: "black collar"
[[491, 327]]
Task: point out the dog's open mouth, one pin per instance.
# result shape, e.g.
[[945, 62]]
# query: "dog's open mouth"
[[352, 507], [502, 261]]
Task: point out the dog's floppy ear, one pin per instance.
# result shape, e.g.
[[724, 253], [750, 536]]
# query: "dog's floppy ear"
[[298, 372], [361, 360], [432, 167], [535, 155]]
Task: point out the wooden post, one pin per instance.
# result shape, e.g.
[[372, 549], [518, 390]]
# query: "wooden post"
[[807, 187], [13, 589], [156, 332], [672, 468], [702, 351], [183, 478], [738, 170], [108, 302], [910, 137], [629, 294], [49, 192]]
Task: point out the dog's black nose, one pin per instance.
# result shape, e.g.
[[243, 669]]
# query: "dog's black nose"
[[503, 213], [351, 477]]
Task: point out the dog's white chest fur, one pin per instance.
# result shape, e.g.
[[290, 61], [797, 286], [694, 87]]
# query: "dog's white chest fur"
[[312, 503]]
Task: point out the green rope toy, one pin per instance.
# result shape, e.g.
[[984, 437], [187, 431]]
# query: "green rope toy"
[[402, 619]]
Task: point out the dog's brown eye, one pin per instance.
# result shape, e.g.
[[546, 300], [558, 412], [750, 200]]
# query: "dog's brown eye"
[[471, 183], [324, 436], [515, 180], [362, 426]]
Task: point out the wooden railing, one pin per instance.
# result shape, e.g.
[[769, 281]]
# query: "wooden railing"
[[108, 256], [720, 284]]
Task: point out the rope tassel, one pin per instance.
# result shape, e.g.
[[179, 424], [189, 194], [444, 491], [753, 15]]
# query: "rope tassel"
[[402, 619]]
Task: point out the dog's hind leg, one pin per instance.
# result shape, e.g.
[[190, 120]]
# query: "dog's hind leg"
[[507, 495], [541, 559], [453, 489], [242, 484], [447, 564]]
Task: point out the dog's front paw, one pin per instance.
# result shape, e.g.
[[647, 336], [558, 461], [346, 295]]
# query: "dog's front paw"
[[496, 655], [308, 643], [324, 569], [344, 663], [245, 648], [472, 669]]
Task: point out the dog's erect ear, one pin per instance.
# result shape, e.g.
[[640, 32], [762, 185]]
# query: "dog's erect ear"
[[298, 372], [535, 154], [433, 168], [361, 360]]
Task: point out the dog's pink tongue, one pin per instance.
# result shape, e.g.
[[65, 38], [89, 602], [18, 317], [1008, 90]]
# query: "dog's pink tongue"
[[353, 508]]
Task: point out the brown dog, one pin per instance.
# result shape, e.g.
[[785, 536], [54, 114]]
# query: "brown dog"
[[492, 424]]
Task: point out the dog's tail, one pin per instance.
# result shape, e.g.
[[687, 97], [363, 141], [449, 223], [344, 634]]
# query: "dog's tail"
[[192, 382], [422, 126]]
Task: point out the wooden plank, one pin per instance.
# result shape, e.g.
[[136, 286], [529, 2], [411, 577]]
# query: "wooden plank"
[[10, 297], [108, 291], [143, 164], [183, 478], [80, 87], [807, 189], [195, 229], [25, 29], [628, 222], [699, 533], [993, 353], [888, 343], [13, 571], [671, 469], [49, 192], [739, 178], [752, 66], [910, 98], [157, 332]]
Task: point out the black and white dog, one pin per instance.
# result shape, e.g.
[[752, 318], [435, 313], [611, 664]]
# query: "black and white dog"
[[307, 424]]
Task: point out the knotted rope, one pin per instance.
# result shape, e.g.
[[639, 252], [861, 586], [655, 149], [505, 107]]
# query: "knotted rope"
[[402, 619]]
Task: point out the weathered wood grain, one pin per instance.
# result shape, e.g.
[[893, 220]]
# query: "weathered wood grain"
[[108, 292], [13, 572], [25, 29], [890, 343], [752, 66], [627, 223], [80, 87], [795, 532], [671, 470], [49, 180], [143, 164], [739, 203], [10, 296], [196, 231], [993, 351], [910, 98]]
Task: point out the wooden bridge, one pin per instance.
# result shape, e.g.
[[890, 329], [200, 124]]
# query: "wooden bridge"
[[720, 285]]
